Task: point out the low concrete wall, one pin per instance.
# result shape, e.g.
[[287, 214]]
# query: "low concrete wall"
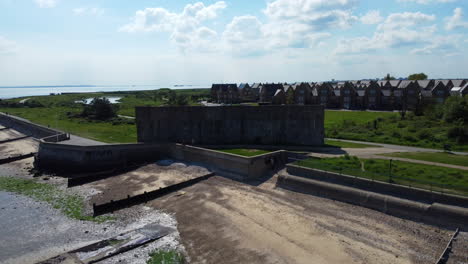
[[248, 167], [437, 214], [28, 128], [405, 192], [72, 159]]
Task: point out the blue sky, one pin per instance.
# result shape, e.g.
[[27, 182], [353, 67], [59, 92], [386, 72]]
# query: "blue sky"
[[109, 42]]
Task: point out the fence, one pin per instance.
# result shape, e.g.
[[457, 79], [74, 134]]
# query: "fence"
[[386, 177]]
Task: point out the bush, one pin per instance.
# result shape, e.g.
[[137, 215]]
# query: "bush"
[[424, 134], [100, 109], [459, 134], [456, 109]]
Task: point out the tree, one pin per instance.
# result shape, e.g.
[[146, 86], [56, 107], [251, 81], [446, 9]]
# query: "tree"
[[388, 77], [100, 108], [417, 76]]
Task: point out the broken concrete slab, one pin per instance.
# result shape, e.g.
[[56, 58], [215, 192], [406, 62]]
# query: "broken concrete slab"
[[110, 247]]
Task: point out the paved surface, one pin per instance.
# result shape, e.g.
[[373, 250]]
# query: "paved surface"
[[80, 141], [144, 179], [399, 147], [128, 117], [418, 161]]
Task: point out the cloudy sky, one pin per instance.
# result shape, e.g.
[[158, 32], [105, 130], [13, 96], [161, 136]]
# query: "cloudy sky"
[[110, 42]]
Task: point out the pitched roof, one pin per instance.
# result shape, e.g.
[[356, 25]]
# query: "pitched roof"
[[394, 83], [386, 92], [361, 92], [243, 85], [279, 91], [336, 92], [425, 84], [458, 83], [403, 84], [256, 85]]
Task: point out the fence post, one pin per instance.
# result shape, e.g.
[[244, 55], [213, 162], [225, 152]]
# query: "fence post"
[[390, 168]]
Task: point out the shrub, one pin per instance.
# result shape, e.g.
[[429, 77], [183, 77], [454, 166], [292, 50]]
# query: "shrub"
[[424, 134], [100, 109]]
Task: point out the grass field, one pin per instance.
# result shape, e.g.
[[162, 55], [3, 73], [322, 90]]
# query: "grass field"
[[405, 173], [335, 118], [56, 117], [342, 144], [440, 157], [387, 127], [245, 152], [70, 205]]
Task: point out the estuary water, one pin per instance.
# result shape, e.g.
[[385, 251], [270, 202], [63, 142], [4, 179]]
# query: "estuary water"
[[22, 91]]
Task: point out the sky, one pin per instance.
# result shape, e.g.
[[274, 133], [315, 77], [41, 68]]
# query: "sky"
[[150, 42]]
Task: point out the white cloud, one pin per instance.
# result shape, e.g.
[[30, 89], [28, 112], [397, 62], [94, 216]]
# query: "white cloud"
[[456, 21], [7, 46], [445, 45], [186, 27], [46, 3], [372, 17], [289, 24], [88, 11], [398, 29], [315, 14], [425, 2]]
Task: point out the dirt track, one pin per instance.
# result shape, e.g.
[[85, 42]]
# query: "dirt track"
[[223, 221]]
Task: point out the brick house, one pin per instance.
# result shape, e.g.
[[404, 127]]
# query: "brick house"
[[246, 93], [302, 93], [268, 90], [373, 98], [347, 96], [279, 98], [439, 92], [225, 93], [324, 93]]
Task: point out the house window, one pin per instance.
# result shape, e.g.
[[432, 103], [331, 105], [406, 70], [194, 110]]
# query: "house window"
[[346, 91], [372, 92]]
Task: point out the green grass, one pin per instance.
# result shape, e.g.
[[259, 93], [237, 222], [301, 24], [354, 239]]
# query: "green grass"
[[70, 205], [166, 257], [56, 117], [333, 118], [343, 144], [440, 157], [405, 173], [387, 127], [245, 152]]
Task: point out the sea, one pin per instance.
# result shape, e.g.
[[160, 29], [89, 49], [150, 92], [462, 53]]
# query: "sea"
[[25, 91]]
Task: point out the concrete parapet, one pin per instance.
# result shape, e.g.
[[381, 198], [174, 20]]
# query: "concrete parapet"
[[405, 192], [247, 167], [436, 213], [28, 128], [71, 159]]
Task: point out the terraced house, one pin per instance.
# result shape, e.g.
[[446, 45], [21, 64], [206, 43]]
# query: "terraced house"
[[363, 94]]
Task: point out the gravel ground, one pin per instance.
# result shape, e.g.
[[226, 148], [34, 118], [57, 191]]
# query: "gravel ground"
[[239, 223], [32, 231], [459, 252]]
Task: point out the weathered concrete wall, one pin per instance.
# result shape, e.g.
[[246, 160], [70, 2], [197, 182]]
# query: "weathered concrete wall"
[[247, 167], [405, 192], [435, 213], [259, 125], [28, 128], [79, 159]]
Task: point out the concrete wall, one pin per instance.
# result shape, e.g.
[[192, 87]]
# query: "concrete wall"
[[258, 125], [37, 131], [435, 213], [379, 187], [79, 159], [247, 167]]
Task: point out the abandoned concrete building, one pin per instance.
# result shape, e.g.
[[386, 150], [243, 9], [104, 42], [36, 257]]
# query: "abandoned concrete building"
[[365, 94], [234, 125]]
